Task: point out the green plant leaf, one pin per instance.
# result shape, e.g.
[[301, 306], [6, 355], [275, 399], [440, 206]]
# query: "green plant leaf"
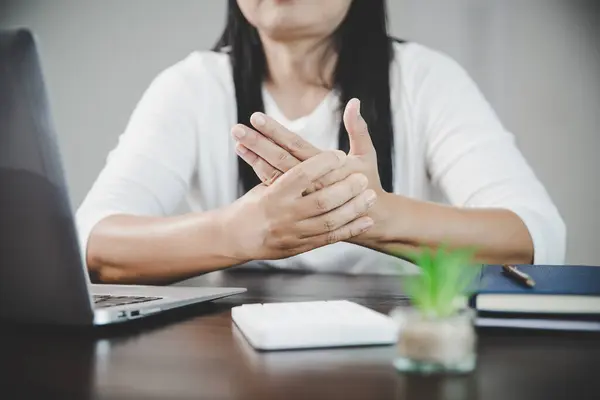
[[445, 276]]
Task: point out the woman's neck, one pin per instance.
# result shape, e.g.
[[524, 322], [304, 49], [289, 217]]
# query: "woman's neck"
[[299, 73], [305, 61]]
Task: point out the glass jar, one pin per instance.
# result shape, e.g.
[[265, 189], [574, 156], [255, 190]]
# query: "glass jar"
[[428, 344]]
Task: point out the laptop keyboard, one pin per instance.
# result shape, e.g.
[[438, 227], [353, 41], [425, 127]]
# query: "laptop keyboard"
[[104, 300]]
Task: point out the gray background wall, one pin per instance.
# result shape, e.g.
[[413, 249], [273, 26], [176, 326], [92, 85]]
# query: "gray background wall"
[[537, 61]]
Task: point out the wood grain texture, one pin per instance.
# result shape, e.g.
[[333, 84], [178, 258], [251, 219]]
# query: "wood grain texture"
[[197, 353]]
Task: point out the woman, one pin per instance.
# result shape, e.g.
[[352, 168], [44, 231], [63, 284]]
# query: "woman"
[[325, 76]]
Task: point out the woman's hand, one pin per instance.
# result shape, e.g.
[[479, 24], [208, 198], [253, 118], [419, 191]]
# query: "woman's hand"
[[272, 150], [279, 221]]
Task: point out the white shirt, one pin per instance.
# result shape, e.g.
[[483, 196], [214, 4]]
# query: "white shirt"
[[447, 138]]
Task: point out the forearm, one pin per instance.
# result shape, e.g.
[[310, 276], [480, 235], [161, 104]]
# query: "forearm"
[[153, 250], [403, 224]]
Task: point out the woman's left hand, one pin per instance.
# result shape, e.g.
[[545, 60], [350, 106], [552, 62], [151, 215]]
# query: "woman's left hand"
[[272, 150]]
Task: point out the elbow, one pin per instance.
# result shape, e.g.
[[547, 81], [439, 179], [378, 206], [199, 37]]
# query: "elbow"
[[105, 274], [102, 272], [103, 267], [116, 275]]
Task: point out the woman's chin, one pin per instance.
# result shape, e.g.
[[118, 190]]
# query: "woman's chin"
[[286, 32]]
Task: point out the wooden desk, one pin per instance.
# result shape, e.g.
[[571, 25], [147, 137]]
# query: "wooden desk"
[[197, 354]]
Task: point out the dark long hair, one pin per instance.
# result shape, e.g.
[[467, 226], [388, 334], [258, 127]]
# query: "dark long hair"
[[364, 52]]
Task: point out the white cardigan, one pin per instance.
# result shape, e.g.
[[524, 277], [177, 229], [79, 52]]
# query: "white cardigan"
[[448, 139]]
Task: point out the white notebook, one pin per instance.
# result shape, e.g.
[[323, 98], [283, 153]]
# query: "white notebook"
[[313, 324]]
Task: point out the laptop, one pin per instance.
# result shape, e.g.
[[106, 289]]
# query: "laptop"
[[43, 278]]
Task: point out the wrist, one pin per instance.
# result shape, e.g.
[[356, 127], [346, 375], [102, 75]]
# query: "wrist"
[[383, 214], [238, 231], [228, 239]]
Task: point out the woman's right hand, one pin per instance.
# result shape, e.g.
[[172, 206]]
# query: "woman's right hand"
[[277, 221]]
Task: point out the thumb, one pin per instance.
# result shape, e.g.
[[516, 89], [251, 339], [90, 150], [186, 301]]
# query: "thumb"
[[358, 131]]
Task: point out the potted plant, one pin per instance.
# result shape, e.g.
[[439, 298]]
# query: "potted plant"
[[436, 331]]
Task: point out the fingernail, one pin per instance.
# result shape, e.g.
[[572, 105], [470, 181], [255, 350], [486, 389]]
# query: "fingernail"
[[371, 197], [358, 115], [238, 133], [340, 154], [274, 176], [366, 224], [363, 181], [241, 150], [259, 119]]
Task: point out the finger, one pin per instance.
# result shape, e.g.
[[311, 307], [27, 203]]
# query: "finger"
[[329, 179], [354, 209], [293, 143], [298, 179], [265, 172], [334, 176], [348, 231], [331, 197], [358, 131], [264, 148]]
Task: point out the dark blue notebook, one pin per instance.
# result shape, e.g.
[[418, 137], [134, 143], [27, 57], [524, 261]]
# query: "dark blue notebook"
[[564, 297]]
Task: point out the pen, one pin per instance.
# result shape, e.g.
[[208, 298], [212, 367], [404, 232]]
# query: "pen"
[[519, 276]]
